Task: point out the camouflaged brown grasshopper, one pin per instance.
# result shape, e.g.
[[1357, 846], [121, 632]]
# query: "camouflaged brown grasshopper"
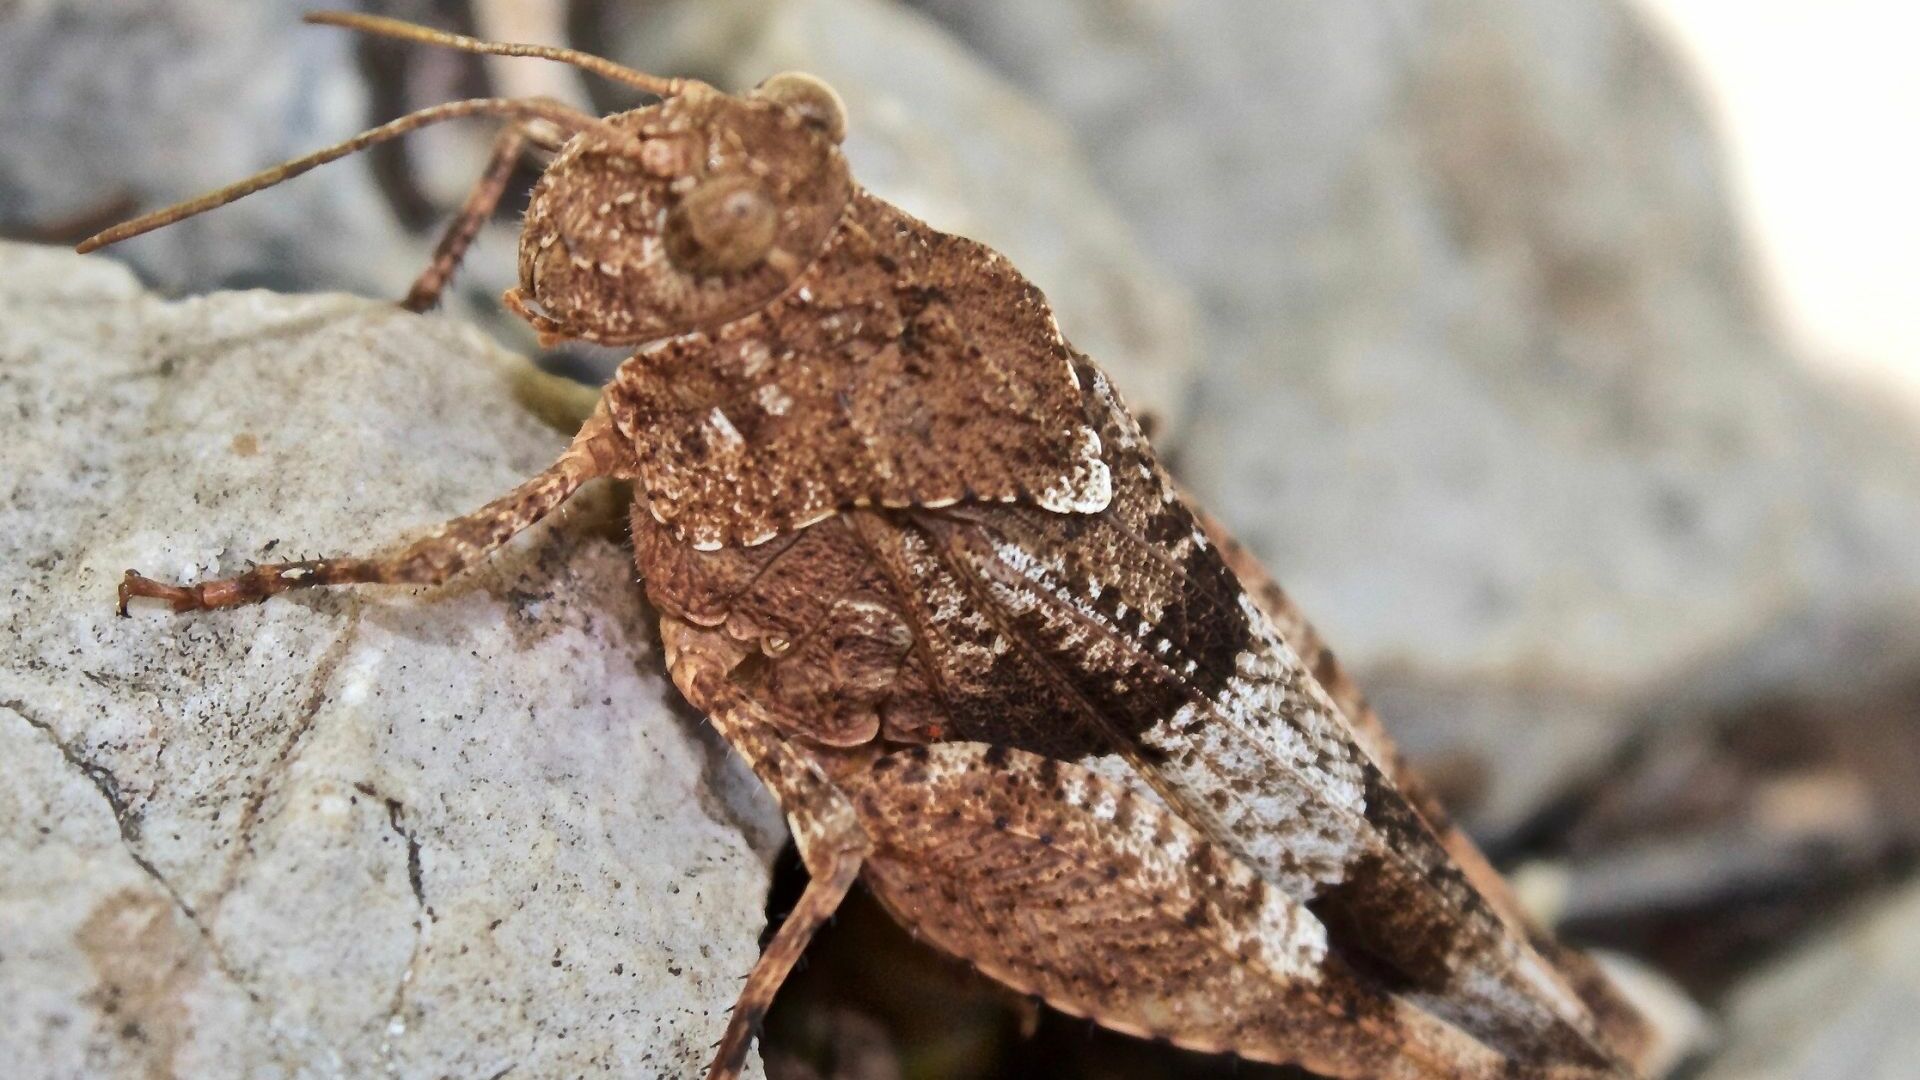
[[917, 563]]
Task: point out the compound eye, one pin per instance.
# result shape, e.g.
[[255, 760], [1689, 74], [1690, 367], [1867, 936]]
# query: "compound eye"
[[723, 226], [811, 98]]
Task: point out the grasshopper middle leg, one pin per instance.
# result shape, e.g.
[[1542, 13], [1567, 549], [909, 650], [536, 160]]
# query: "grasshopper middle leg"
[[595, 451]]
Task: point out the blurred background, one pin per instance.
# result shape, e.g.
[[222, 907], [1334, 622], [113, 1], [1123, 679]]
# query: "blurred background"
[[1815, 104], [1561, 357]]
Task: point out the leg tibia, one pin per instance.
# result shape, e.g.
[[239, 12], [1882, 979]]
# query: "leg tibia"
[[481, 200], [450, 549], [817, 904], [825, 827]]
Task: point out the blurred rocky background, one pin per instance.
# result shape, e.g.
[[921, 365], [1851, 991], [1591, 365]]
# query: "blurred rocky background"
[[1443, 304]]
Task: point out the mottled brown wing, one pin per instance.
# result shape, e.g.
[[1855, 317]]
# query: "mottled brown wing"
[[1624, 1029], [1121, 641], [906, 367], [1086, 892]]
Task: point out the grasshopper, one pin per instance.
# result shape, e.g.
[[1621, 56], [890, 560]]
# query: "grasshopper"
[[917, 563]]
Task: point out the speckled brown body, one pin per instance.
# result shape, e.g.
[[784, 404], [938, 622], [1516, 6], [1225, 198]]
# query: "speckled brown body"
[[921, 568]]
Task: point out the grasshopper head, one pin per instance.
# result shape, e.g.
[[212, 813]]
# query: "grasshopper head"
[[710, 210]]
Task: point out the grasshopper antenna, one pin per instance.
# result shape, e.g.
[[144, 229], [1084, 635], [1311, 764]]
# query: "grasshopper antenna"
[[397, 28], [568, 119]]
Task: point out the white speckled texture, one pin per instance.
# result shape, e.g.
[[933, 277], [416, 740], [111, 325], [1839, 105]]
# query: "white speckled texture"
[[372, 832]]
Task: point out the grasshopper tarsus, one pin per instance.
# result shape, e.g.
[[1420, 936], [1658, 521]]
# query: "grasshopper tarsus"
[[180, 598]]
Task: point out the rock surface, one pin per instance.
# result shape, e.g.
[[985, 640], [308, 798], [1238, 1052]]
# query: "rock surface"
[[1842, 1008], [110, 109], [362, 832], [1488, 383]]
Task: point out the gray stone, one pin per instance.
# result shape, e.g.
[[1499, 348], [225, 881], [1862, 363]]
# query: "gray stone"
[[1489, 385], [353, 832], [1840, 1008], [108, 109]]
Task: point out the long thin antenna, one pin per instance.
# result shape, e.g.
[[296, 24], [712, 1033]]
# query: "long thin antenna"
[[397, 28], [567, 118]]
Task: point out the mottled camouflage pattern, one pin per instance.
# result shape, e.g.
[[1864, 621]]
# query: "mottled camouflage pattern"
[[919, 565], [904, 368]]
